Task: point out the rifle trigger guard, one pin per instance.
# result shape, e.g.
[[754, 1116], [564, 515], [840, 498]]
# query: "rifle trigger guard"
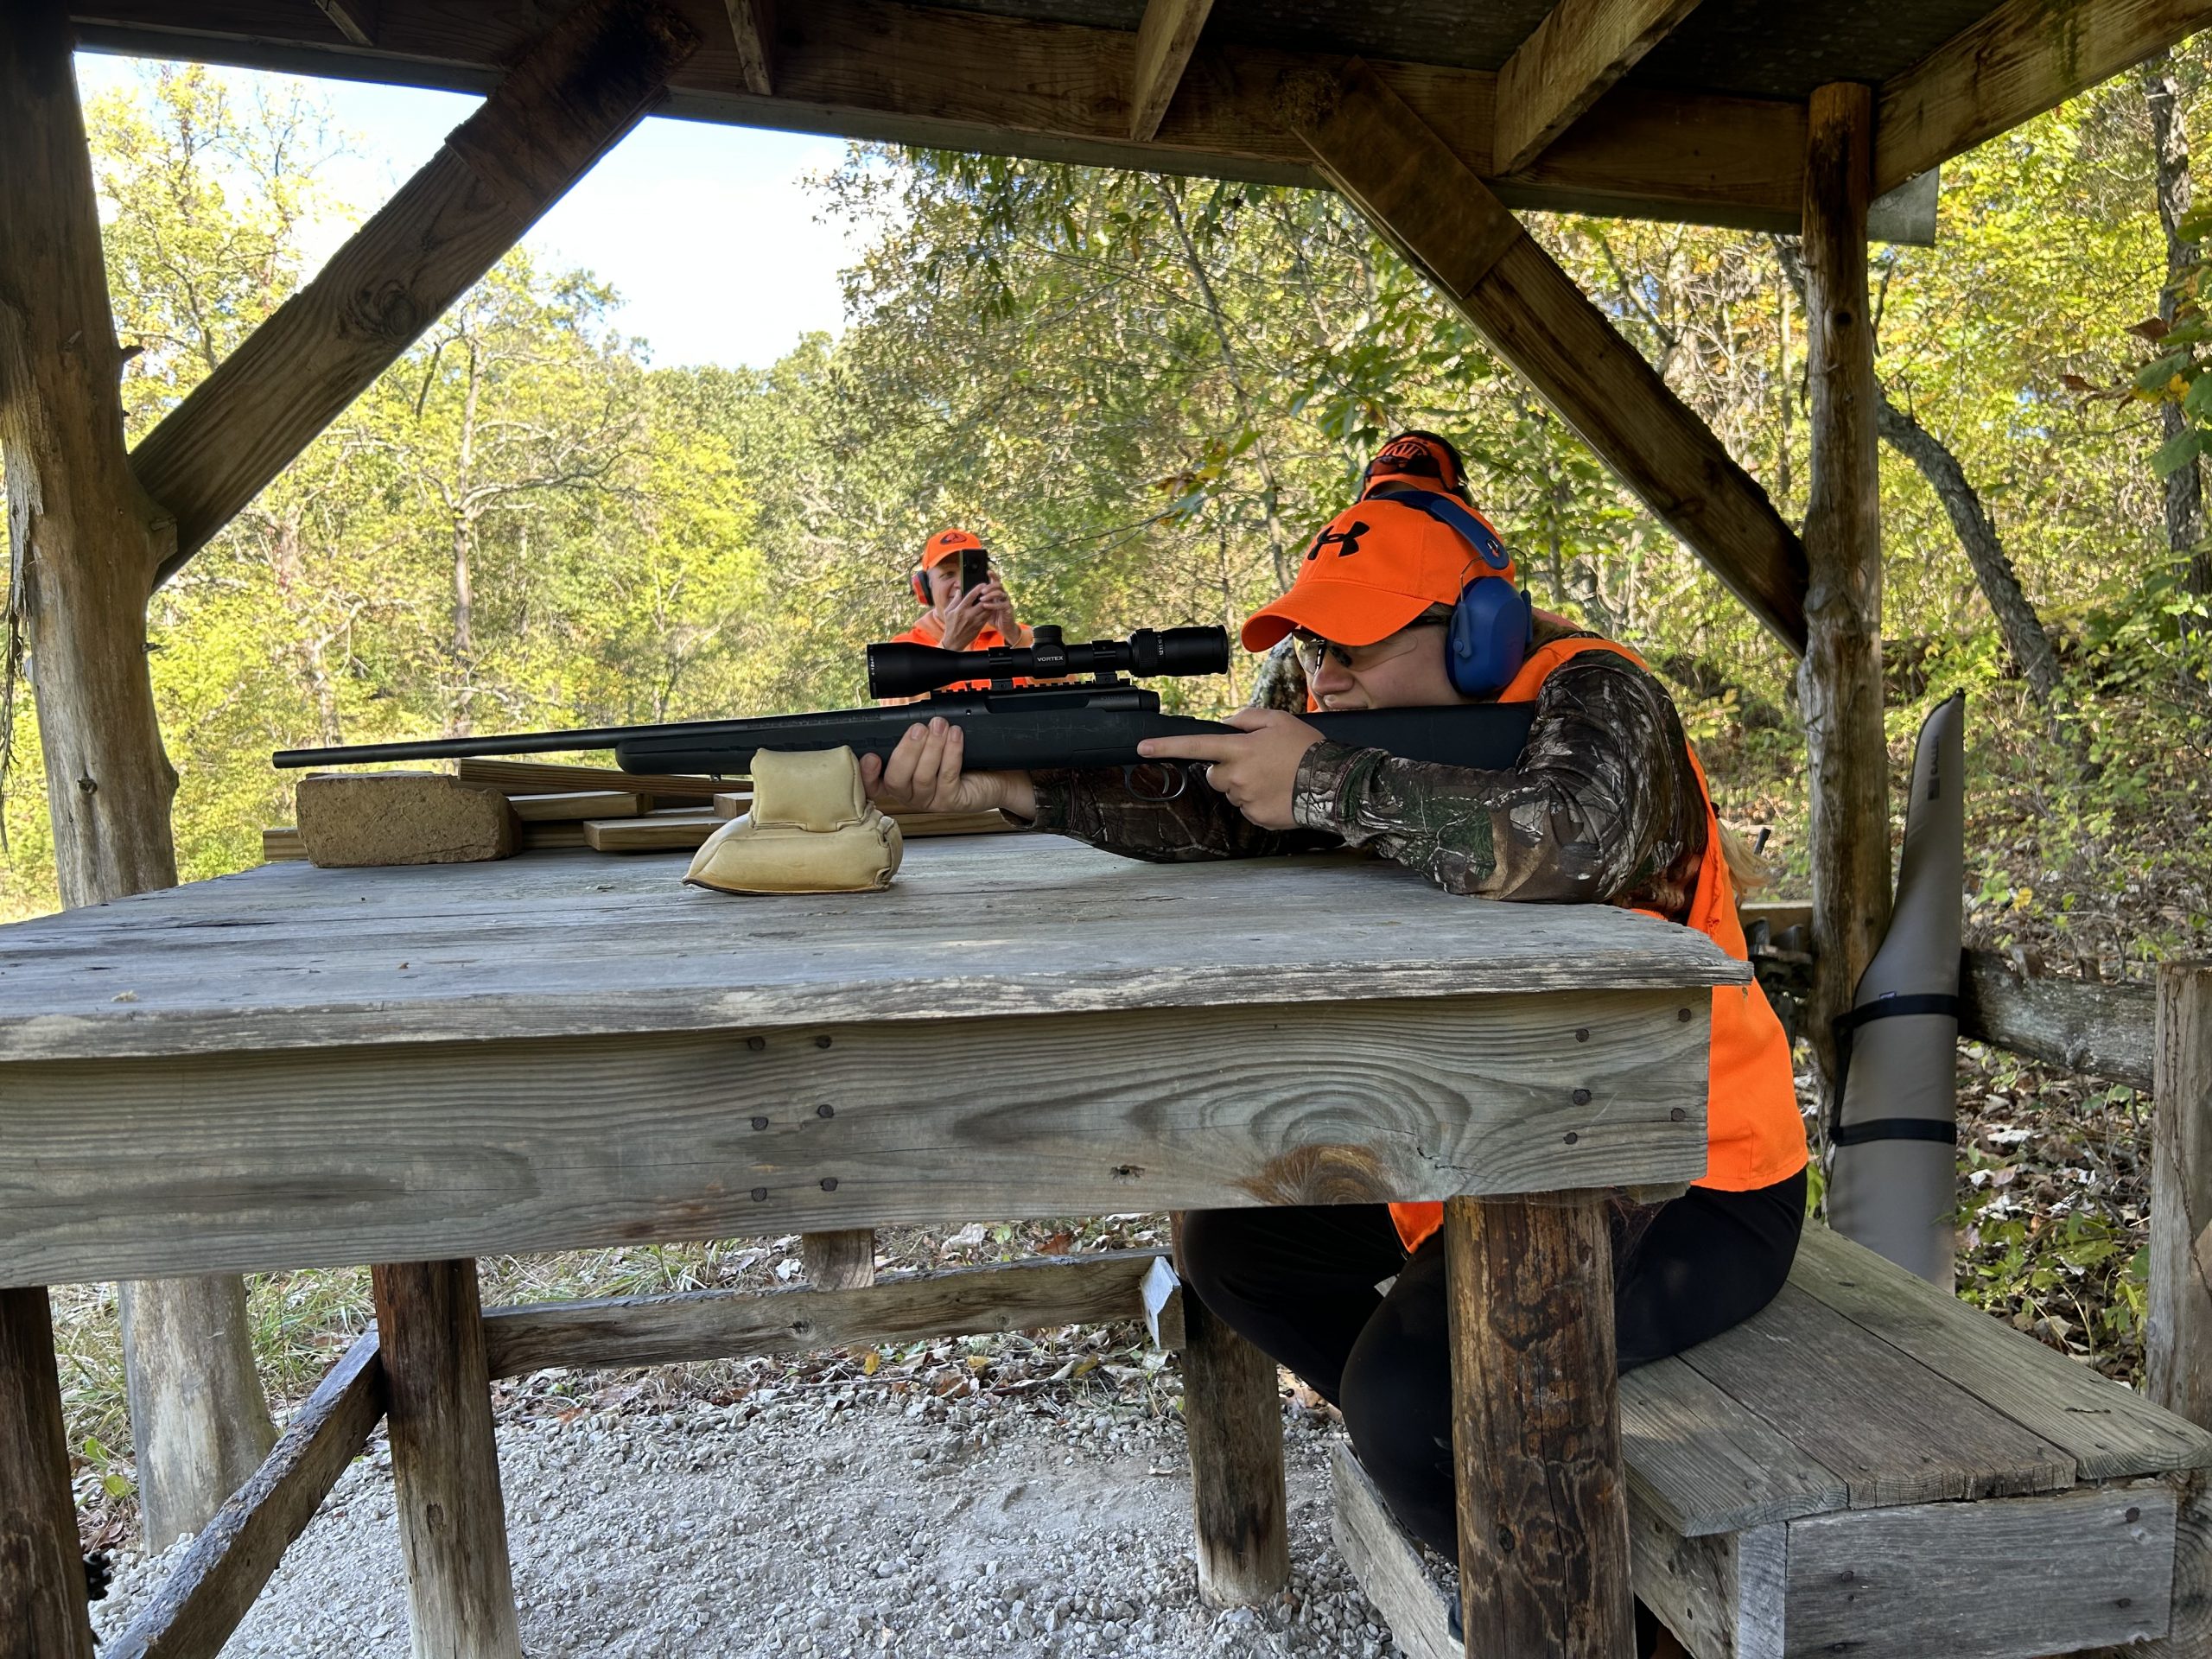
[[1181, 776]]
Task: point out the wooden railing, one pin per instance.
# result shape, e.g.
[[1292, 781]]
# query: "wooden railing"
[[2106, 1031]]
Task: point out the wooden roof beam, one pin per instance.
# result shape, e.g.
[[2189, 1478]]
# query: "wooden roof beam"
[[1165, 41], [1574, 55], [562, 107], [752, 27], [1061, 91], [355, 19], [1375, 149], [2023, 57]]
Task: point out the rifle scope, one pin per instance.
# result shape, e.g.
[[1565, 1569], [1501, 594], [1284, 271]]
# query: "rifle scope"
[[900, 669]]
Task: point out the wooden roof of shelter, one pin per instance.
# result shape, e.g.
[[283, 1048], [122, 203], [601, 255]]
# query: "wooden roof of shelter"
[[1669, 108]]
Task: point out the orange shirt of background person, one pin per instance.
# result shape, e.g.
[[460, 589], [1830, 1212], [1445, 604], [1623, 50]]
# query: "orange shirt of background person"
[[979, 619]]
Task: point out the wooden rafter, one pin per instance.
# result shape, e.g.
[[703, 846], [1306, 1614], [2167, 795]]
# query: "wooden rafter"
[[555, 113], [1377, 151], [937, 75], [753, 30], [2019, 60], [1576, 54], [1165, 41], [355, 19]]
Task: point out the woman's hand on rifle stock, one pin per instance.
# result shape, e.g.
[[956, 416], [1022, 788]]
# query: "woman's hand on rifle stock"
[[924, 774]]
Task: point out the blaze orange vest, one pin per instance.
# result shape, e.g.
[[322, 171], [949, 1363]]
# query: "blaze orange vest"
[[1754, 1135]]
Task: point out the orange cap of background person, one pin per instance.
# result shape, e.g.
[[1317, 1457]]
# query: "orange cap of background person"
[[1376, 566], [949, 544], [1421, 459]]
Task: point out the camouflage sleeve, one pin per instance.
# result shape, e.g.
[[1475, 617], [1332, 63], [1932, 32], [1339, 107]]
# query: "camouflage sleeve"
[[1102, 809], [1105, 809], [1603, 806]]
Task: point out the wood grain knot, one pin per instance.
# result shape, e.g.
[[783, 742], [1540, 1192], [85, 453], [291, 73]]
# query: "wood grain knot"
[[1323, 1175]]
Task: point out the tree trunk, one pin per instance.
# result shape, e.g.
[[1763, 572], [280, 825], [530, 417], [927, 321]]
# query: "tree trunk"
[[2025, 635], [83, 539], [1840, 681], [2169, 155]]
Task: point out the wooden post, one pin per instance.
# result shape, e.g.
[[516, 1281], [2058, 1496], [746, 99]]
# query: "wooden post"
[[2177, 1337], [1536, 1429], [85, 540], [43, 1613], [839, 1261], [445, 1468], [1233, 1416], [1840, 682], [2178, 1340]]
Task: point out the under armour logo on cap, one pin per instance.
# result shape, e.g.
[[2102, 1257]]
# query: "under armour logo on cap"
[[1345, 541]]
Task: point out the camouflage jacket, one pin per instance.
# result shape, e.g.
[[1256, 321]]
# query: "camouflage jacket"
[[1603, 807]]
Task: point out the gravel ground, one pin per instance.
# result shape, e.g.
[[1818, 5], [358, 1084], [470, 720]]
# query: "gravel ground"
[[829, 1521]]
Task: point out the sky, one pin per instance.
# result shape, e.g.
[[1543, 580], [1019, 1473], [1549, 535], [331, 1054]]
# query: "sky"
[[705, 231]]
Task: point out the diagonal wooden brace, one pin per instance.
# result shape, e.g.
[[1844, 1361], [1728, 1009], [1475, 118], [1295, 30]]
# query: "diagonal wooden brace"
[[1428, 204], [562, 106]]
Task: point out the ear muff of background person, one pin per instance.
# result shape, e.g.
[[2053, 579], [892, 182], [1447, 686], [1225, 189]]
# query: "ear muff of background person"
[[1380, 563], [945, 544], [1424, 460]]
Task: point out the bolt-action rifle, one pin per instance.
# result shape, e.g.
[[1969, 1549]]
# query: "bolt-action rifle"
[[1065, 720]]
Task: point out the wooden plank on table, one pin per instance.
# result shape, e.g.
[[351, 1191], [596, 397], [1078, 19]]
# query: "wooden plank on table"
[[1893, 1430], [1232, 1417], [281, 843], [530, 1143], [1386, 1562], [285, 955], [1571, 59], [576, 91], [2007, 1579], [1036, 1294], [2016, 61], [913, 825], [1536, 1427], [1702, 1464], [550, 837], [519, 778], [2108, 1430], [224, 1568], [445, 1467], [42, 1601], [576, 805], [656, 832]]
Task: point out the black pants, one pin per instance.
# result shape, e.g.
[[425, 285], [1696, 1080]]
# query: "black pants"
[[1298, 1283]]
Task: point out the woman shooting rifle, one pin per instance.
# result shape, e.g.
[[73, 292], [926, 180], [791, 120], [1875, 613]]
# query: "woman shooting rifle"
[[1407, 599]]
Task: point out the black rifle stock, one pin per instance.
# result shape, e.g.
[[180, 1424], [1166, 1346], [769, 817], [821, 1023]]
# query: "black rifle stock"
[[1006, 728]]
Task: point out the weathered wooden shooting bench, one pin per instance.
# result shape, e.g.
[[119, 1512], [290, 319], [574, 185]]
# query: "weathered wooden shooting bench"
[[411, 1067]]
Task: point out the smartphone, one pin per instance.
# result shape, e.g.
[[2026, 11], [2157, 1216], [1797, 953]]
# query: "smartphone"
[[974, 568]]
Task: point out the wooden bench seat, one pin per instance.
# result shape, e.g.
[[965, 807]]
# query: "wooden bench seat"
[[1873, 1467]]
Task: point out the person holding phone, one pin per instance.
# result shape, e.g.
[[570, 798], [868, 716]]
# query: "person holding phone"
[[968, 607]]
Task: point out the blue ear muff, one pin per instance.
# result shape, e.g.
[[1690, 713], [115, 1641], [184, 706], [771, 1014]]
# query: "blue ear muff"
[[1492, 627]]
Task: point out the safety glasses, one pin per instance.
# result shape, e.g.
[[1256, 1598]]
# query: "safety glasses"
[[1358, 659]]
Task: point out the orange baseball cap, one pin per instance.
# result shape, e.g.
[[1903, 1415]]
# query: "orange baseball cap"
[[1376, 566], [1421, 459], [949, 544]]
